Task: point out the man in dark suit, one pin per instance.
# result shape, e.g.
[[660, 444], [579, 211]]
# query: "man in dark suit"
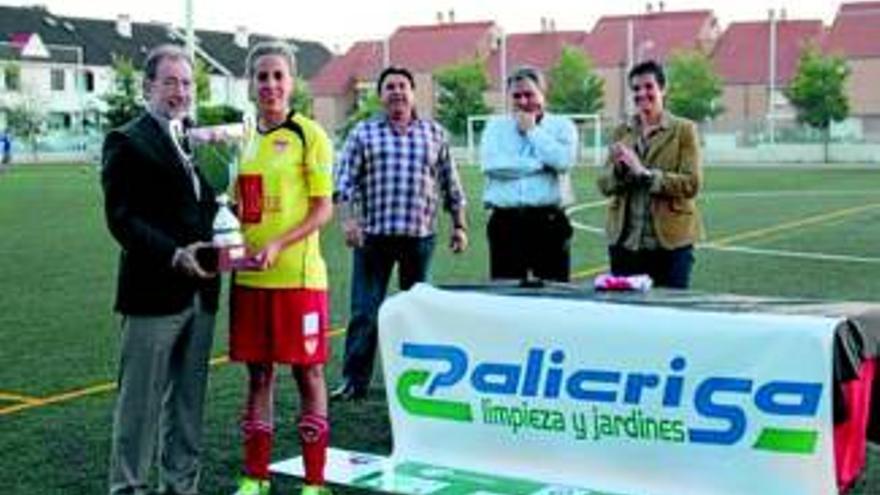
[[160, 209]]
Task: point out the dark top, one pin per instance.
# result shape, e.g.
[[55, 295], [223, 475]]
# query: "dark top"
[[151, 210]]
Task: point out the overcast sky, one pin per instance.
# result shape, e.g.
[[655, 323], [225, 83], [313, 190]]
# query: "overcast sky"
[[338, 23]]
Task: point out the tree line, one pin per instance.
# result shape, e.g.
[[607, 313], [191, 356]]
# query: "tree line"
[[817, 92]]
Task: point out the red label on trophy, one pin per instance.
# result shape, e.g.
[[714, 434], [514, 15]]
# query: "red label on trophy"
[[250, 194]]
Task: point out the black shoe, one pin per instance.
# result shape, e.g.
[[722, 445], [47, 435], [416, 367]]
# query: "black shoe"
[[348, 392]]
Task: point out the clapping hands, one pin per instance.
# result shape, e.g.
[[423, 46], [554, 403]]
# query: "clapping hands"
[[626, 160]]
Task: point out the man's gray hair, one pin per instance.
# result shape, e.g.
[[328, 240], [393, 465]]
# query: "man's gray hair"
[[160, 53], [527, 73], [263, 48]]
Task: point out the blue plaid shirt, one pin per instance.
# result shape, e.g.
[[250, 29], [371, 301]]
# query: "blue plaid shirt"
[[393, 179]]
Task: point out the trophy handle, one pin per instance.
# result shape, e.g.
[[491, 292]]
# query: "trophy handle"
[[237, 136]]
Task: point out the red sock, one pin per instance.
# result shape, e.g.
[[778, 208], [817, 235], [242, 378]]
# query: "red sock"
[[314, 435], [257, 448]]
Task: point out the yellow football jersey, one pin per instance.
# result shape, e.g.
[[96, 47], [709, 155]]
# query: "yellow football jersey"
[[280, 169]]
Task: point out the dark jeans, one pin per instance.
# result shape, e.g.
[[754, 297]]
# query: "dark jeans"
[[371, 272], [667, 268], [523, 240]]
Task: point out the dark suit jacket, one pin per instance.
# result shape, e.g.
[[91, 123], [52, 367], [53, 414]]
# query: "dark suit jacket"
[[151, 210]]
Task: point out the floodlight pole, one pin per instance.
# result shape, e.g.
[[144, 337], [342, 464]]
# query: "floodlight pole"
[[191, 48], [771, 84], [630, 61], [190, 32], [79, 82], [502, 69], [386, 51]]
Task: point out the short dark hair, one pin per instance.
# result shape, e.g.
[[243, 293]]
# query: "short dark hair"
[[160, 53], [527, 73], [394, 70], [648, 67]]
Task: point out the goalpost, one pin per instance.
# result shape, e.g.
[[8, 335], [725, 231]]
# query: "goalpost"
[[589, 129]]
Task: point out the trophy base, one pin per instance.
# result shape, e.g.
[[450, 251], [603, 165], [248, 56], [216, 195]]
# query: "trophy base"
[[235, 258]]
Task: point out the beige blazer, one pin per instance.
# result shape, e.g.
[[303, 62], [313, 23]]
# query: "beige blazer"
[[674, 157]]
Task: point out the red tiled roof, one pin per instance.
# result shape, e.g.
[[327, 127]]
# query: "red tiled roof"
[[856, 31], [426, 48], [363, 61], [742, 55], [419, 48], [655, 35], [539, 50]]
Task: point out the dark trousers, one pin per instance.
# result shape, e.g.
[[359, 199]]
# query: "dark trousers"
[[371, 272], [667, 267], [533, 240]]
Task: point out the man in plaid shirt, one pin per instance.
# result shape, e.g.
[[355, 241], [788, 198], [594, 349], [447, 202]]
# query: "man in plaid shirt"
[[388, 179]]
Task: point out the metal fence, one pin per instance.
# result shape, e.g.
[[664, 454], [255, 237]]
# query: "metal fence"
[[855, 140]]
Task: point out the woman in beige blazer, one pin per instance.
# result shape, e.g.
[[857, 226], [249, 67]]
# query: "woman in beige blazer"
[[652, 177]]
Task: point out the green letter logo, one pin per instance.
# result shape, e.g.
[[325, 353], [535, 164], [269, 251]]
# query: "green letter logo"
[[432, 408]]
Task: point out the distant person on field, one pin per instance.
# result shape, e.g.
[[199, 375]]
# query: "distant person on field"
[[160, 210], [394, 174], [279, 313], [525, 156], [652, 177], [6, 147]]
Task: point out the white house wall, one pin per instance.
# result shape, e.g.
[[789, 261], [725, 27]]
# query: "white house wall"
[[229, 91], [36, 86]]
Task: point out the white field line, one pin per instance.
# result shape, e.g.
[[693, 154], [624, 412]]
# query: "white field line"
[[790, 254], [742, 249], [779, 253], [586, 228], [747, 250], [586, 206], [789, 192], [749, 194]]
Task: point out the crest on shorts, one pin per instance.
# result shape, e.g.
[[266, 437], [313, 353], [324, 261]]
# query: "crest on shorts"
[[311, 326]]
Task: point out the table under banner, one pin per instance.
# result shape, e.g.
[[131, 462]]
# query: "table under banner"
[[558, 389]]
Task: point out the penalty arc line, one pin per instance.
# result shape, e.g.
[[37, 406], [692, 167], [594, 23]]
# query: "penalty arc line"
[[35, 402]]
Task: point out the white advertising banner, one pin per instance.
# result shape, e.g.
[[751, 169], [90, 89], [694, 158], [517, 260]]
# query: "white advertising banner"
[[619, 398]]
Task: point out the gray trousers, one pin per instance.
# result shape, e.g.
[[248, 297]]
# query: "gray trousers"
[[163, 374]]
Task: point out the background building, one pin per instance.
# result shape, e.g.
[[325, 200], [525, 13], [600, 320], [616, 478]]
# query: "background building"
[[62, 67]]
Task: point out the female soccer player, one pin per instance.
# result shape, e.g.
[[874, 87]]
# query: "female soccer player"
[[279, 312]]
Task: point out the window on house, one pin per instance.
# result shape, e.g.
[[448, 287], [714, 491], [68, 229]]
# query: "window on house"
[[57, 76], [57, 121], [12, 78], [89, 81]]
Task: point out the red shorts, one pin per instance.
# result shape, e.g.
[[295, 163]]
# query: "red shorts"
[[278, 326]]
